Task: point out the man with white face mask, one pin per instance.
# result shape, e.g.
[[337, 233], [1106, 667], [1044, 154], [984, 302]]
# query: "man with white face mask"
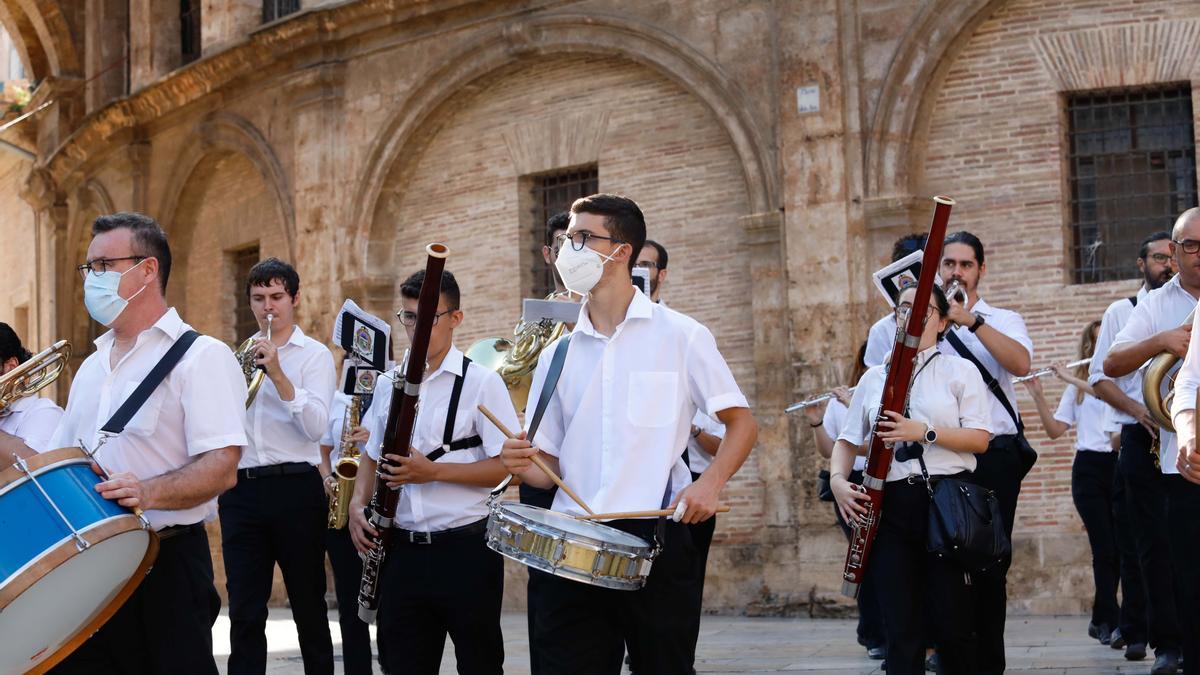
[[174, 456], [634, 375], [32, 419]]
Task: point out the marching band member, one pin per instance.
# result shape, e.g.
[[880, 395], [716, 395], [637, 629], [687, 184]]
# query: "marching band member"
[[882, 335], [1135, 430], [174, 457], [949, 424], [653, 259], [32, 419], [999, 345], [441, 578], [1157, 325], [635, 374], [1091, 477], [277, 511]]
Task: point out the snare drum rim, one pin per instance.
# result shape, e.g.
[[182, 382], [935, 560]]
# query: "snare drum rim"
[[597, 543]]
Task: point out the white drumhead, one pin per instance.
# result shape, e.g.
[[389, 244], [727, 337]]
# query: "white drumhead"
[[583, 528], [57, 606]]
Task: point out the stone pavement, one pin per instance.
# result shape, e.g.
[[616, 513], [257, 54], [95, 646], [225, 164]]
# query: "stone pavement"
[[1041, 645]]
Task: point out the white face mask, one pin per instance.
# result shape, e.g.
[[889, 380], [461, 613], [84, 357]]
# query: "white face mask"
[[101, 298], [580, 270]]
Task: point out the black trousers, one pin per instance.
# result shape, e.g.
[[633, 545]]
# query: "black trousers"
[[347, 575], [166, 625], [908, 579], [1183, 518], [583, 629], [870, 614], [1146, 499], [265, 521], [1133, 591], [453, 586], [999, 469], [542, 498], [1091, 490]]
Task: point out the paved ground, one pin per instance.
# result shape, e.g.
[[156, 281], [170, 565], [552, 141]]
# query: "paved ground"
[[1041, 645]]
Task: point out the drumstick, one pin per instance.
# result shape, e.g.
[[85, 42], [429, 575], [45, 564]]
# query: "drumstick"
[[657, 513], [537, 461]]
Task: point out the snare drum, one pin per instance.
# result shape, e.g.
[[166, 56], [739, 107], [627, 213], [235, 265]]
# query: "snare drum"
[[69, 558], [565, 547]]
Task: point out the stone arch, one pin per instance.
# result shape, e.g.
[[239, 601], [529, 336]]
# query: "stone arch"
[[42, 33], [562, 34]]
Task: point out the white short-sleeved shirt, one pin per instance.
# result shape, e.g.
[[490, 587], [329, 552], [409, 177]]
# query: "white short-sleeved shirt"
[[200, 406], [436, 506], [1187, 381], [698, 458], [290, 431], [1114, 320], [834, 420], [1162, 309], [1011, 325], [624, 404], [946, 393], [32, 419], [1087, 418], [337, 416], [880, 340]]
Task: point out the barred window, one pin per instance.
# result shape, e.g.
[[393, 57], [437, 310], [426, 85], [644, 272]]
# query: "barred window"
[[550, 194], [241, 261], [1132, 171], [273, 9], [189, 31]]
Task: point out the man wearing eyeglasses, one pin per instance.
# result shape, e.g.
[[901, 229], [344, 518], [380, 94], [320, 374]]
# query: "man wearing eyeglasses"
[[276, 513], [1136, 496], [441, 578], [653, 259], [1158, 324]]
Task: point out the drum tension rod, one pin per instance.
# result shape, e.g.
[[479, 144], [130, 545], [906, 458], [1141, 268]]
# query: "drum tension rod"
[[80, 543]]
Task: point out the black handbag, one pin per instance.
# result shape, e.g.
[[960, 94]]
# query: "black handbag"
[[965, 523]]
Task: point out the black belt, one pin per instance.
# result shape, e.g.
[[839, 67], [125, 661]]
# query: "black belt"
[[918, 479], [409, 537], [285, 469], [176, 530]]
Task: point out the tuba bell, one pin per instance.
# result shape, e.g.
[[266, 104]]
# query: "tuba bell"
[[254, 373], [1158, 384], [515, 359], [38, 372]]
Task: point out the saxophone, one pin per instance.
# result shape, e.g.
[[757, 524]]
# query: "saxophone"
[[345, 469]]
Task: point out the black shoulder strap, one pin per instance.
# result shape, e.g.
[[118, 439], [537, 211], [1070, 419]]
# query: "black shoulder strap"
[[548, 386], [992, 385], [1133, 300], [448, 442], [116, 424]]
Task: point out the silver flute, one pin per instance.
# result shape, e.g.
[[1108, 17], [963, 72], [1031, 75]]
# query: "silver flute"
[[1046, 371]]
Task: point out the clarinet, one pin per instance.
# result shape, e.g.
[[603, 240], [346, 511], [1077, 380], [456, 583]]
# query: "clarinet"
[[397, 434], [895, 398]]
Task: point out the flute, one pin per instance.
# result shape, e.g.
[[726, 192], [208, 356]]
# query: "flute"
[[810, 402], [1046, 371]]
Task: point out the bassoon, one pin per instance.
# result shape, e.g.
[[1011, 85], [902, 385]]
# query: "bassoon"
[[398, 432], [895, 399]]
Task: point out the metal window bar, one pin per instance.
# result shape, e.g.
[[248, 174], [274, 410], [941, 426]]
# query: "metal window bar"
[[189, 31], [554, 193], [1132, 171], [244, 323], [274, 9]]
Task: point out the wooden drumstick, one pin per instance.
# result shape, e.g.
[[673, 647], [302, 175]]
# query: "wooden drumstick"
[[657, 513], [537, 461]]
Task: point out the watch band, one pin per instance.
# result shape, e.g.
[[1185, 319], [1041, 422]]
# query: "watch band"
[[978, 322]]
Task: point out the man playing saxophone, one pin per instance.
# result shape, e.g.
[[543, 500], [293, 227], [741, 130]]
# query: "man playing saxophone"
[[31, 419]]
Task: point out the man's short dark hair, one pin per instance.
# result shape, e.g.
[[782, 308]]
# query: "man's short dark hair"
[[270, 270], [907, 244], [411, 288], [964, 237], [661, 251], [149, 240], [622, 217], [10, 345], [557, 223], [1144, 250]]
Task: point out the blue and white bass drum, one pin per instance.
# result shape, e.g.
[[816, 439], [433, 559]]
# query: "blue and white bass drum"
[[68, 558]]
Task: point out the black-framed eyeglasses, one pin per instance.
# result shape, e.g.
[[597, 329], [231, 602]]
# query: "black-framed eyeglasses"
[[647, 264], [102, 265], [408, 318], [580, 239], [1161, 258], [1188, 245]]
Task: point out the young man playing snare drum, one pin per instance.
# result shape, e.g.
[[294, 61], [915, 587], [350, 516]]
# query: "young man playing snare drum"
[[634, 376]]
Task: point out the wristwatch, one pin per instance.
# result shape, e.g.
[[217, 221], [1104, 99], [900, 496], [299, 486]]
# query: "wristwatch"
[[978, 322], [930, 434]]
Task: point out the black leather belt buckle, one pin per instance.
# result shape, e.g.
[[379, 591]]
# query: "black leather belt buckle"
[[420, 537]]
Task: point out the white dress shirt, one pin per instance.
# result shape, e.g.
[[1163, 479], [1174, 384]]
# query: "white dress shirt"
[[624, 405], [290, 431], [946, 393], [1187, 381], [880, 340], [834, 421], [200, 406], [1087, 418], [698, 457], [1114, 320], [1011, 325], [436, 506], [32, 419], [1162, 309]]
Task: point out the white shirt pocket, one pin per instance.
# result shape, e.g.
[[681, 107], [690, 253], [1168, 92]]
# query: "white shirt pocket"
[[145, 420], [653, 399]]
